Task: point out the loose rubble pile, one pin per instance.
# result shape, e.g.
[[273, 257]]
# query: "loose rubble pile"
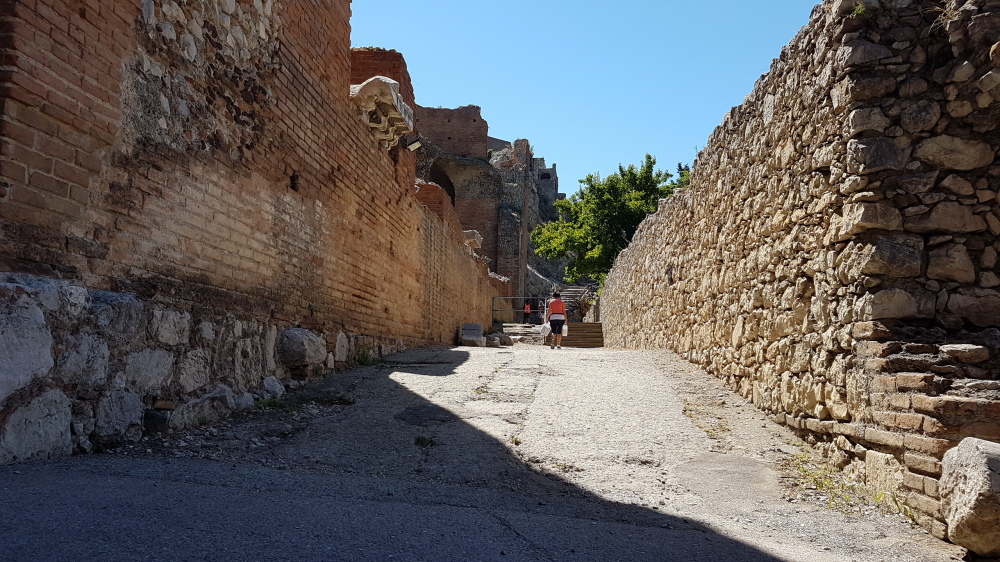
[[836, 256]]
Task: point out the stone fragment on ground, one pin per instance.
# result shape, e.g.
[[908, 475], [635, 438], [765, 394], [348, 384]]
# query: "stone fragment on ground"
[[970, 495], [299, 347], [472, 335]]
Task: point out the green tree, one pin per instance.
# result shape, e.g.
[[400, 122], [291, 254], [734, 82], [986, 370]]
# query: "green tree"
[[598, 222]]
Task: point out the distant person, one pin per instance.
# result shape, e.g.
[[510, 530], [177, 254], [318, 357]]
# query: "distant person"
[[527, 312], [556, 317]]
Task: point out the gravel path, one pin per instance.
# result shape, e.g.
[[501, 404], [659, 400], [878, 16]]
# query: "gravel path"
[[520, 453]]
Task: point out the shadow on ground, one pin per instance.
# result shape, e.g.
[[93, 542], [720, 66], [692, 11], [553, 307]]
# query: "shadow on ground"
[[392, 476]]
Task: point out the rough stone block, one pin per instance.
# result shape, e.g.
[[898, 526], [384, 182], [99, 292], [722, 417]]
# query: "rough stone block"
[[989, 80], [193, 370], [922, 463], [472, 335], [867, 156], [273, 387], [951, 262], [895, 255], [869, 331], [220, 403], [916, 183], [342, 351], [914, 382], [859, 88], [39, 430], [119, 316], [119, 417], [149, 370], [948, 217], [953, 153], [921, 502], [298, 347], [970, 494], [85, 360], [883, 473], [244, 401], [857, 52], [891, 303], [270, 348], [983, 311], [967, 353], [930, 445], [958, 185], [868, 119], [73, 299], [170, 327], [920, 115], [859, 217], [25, 345], [882, 437]]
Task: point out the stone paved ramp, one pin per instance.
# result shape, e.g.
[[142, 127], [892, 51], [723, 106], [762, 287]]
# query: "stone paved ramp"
[[521, 453]]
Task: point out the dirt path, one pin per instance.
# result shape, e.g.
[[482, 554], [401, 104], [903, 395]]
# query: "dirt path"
[[550, 455]]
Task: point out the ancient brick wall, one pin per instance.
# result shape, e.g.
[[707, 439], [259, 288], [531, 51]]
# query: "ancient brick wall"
[[461, 131], [373, 61], [835, 258], [480, 214], [180, 184], [367, 62], [437, 201]]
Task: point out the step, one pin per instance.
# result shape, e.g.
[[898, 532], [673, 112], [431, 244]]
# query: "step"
[[584, 335]]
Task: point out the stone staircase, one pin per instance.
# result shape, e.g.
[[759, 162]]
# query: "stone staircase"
[[584, 334], [572, 295], [524, 333], [581, 334]]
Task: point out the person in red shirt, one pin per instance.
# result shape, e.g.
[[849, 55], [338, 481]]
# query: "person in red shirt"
[[527, 312], [556, 317]]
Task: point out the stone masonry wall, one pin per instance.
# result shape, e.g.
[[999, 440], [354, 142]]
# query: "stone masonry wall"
[[179, 184], [835, 259]]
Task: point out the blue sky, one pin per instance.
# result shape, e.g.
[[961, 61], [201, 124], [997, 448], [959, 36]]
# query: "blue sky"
[[590, 84]]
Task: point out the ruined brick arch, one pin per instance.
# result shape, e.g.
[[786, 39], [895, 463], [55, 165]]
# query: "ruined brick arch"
[[440, 177]]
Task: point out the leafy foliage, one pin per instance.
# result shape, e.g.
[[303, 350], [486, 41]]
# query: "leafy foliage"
[[598, 222]]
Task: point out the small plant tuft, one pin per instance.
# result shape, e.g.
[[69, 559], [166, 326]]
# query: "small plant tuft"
[[424, 442], [859, 9], [367, 355], [273, 403], [839, 492], [268, 404], [891, 503]]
